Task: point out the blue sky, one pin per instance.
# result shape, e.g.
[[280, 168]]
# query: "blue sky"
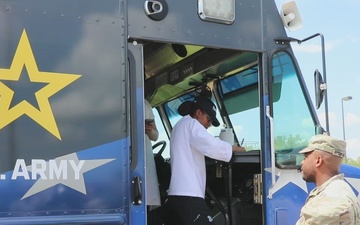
[[339, 22]]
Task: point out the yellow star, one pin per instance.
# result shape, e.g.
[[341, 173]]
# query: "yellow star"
[[55, 82]]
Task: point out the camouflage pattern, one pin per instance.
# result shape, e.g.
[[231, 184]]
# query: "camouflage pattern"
[[334, 202], [326, 143]]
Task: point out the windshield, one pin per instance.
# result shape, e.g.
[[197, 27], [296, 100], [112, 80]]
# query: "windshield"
[[239, 99]]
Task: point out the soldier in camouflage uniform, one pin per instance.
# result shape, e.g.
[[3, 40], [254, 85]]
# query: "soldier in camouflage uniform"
[[332, 201]]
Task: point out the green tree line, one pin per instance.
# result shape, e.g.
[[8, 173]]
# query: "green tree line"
[[353, 162], [288, 142]]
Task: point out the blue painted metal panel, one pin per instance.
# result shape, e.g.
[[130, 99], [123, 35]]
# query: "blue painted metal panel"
[[64, 141], [103, 174]]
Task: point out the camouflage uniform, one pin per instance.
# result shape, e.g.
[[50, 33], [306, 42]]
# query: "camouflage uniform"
[[334, 202]]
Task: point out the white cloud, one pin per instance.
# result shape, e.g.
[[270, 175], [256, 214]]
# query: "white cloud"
[[353, 38], [307, 122], [352, 119], [238, 129], [352, 148], [315, 48], [332, 119], [355, 1], [101, 59]]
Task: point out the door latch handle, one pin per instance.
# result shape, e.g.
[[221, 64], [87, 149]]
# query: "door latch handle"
[[136, 191]]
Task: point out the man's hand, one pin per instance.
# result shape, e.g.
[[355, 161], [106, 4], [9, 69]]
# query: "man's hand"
[[151, 130], [238, 149]]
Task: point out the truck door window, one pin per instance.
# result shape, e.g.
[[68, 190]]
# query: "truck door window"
[[293, 124], [240, 97]]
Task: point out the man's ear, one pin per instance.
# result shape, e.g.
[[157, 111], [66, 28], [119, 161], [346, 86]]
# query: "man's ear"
[[319, 161], [197, 113]]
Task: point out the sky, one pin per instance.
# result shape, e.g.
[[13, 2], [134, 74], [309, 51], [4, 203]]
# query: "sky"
[[339, 23]]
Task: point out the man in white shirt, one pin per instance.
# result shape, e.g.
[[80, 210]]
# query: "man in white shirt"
[[190, 143], [151, 184]]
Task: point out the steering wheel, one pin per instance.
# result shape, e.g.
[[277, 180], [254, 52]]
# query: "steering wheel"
[[163, 143], [163, 170]]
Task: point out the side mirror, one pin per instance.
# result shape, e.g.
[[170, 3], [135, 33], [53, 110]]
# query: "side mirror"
[[319, 130], [320, 88]]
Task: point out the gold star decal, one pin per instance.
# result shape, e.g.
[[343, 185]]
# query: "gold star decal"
[[24, 57]]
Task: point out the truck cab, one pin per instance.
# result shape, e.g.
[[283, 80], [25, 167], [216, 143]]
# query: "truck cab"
[[73, 79]]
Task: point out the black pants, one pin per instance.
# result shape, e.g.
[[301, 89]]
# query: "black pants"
[[184, 210], [155, 216]]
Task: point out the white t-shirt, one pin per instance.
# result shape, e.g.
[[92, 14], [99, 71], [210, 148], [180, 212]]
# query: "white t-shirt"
[[152, 184], [190, 143]]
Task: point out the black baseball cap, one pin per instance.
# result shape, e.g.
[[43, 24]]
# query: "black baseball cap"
[[206, 105]]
